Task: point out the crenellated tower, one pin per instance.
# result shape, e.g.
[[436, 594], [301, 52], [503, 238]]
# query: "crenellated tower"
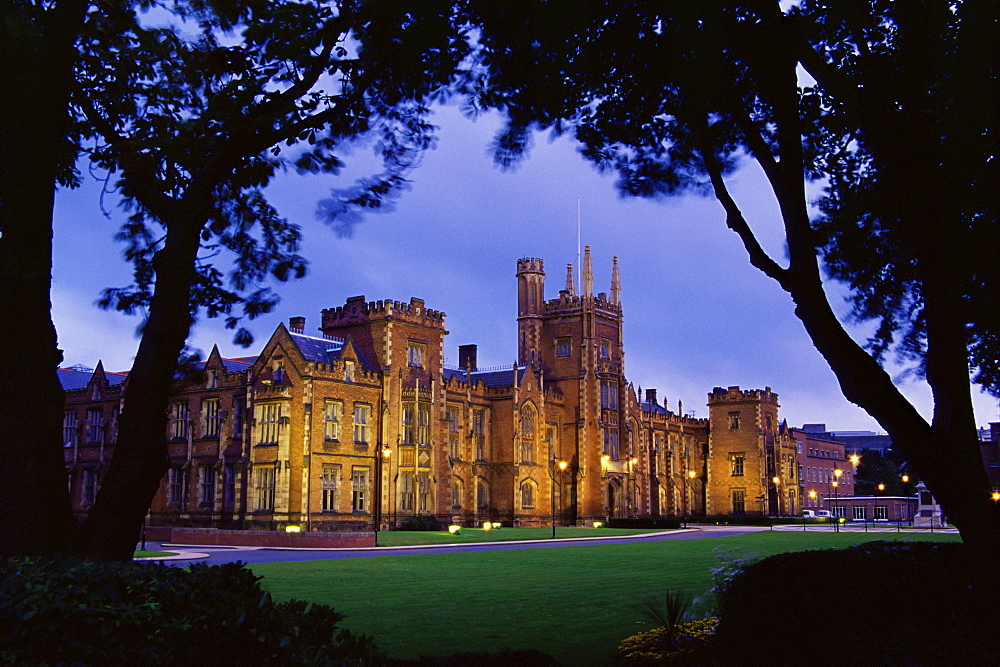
[[530, 308]]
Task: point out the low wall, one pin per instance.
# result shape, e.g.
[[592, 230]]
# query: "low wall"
[[260, 538]]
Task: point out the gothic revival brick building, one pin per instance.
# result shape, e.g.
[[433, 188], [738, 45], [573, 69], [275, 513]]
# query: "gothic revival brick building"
[[362, 424]]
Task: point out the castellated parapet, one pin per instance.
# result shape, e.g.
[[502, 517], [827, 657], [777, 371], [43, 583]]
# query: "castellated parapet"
[[735, 395], [357, 311]]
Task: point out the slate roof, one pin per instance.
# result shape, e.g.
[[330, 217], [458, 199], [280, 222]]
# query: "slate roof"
[[72, 379], [501, 378], [325, 350], [657, 408]]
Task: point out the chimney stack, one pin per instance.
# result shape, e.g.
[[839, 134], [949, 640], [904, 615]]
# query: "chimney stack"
[[297, 324], [467, 356]]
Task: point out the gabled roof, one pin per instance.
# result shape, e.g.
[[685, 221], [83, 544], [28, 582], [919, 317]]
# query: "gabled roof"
[[656, 408], [71, 379], [326, 350]]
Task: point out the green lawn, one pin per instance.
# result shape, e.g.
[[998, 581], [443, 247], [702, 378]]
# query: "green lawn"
[[576, 603], [139, 553], [398, 538]]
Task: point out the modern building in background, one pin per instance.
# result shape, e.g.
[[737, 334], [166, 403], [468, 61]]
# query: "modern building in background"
[[361, 424]]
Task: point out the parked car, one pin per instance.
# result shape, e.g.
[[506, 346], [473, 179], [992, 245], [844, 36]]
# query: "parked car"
[[813, 514]]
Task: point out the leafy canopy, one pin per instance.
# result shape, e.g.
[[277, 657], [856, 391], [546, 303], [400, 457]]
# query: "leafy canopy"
[[892, 107]]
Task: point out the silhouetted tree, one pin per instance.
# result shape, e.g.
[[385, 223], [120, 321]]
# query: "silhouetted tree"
[[192, 112], [891, 107]]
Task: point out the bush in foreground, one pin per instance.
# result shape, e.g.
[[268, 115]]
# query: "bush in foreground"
[[878, 602], [85, 613]]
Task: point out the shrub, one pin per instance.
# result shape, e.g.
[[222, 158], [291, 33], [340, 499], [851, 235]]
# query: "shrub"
[[659, 646], [421, 523], [896, 603], [85, 613]]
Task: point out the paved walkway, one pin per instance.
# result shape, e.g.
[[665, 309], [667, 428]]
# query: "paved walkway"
[[212, 555]]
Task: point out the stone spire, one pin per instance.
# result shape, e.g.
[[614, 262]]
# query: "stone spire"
[[588, 273], [616, 284], [570, 283]]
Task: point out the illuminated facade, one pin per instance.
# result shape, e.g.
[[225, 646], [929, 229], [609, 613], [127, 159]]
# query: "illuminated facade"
[[363, 424]]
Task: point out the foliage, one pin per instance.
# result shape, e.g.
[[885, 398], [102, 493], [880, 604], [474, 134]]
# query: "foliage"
[[661, 646], [877, 468], [79, 612], [420, 522], [676, 607], [253, 89], [503, 658], [878, 602], [893, 108]]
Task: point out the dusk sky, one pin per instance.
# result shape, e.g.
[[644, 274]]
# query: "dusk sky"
[[697, 315]]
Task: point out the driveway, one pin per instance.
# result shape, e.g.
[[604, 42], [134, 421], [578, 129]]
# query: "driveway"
[[187, 554]]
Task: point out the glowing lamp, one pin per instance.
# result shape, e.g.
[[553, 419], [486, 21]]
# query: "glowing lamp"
[[691, 474], [995, 495], [776, 480], [855, 459], [453, 529], [905, 478], [562, 465], [496, 524], [293, 529], [487, 525], [598, 524]]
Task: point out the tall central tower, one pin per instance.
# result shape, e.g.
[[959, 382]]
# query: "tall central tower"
[[576, 342]]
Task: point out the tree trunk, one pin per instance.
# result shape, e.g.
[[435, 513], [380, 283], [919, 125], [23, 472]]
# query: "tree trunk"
[[38, 50], [140, 460]]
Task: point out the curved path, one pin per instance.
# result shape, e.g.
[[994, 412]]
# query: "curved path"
[[186, 554]]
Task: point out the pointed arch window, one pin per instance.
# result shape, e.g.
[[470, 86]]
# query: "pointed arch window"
[[527, 434]]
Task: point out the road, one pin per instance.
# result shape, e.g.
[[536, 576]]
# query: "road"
[[187, 554]]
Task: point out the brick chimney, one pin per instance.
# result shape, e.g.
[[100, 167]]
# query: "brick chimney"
[[651, 396], [297, 324], [467, 356]]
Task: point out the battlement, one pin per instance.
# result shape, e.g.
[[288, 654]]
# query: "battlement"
[[530, 265], [737, 395], [567, 304], [359, 311]]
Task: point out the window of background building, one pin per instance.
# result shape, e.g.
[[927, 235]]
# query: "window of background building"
[[609, 394], [239, 411], [479, 432], [210, 417], [424, 491], [859, 512], [229, 487], [734, 420], [739, 501], [362, 415], [564, 346], [332, 411], [423, 432], [881, 513], [95, 425], [415, 354], [179, 420], [482, 494], [178, 484], [348, 371], [452, 414], [269, 423], [406, 492], [359, 486], [456, 494], [527, 495], [208, 485], [69, 428], [265, 487], [611, 441], [89, 486], [605, 348], [527, 434], [329, 481], [737, 462]]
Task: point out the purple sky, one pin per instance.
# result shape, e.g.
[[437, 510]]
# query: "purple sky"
[[697, 315]]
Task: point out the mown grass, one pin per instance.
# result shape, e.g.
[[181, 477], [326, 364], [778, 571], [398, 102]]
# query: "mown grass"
[[140, 553], [575, 602], [398, 538]]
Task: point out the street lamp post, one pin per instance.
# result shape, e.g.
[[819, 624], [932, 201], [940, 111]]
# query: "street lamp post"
[[836, 498], [552, 490], [777, 496], [381, 455], [687, 508], [633, 462]]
